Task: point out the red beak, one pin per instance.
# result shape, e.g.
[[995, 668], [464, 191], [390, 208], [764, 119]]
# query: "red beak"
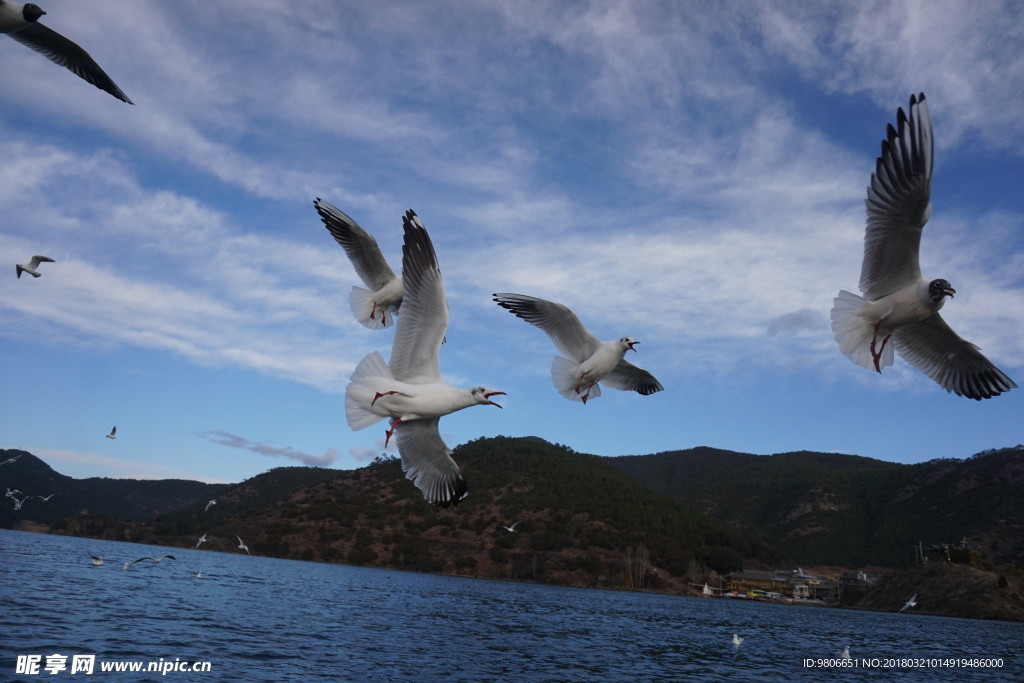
[[494, 393], [632, 344]]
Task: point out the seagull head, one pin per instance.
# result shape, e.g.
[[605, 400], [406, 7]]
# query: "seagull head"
[[940, 288], [31, 12], [629, 343], [483, 395]]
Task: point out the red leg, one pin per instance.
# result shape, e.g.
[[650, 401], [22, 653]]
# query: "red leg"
[[580, 383], [586, 395], [877, 356], [390, 432], [380, 395]]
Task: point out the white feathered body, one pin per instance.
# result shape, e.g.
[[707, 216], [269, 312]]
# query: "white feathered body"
[[572, 379], [854, 319], [372, 376], [376, 310]]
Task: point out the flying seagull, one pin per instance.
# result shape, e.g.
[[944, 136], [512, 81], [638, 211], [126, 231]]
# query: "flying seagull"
[[202, 540], [19, 503], [154, 560], [112, 434], [37, 259], [736, 640], [46, 498], [409, 389], [912, 602], [898, 303], [370, 306], [510, 528], [9, 461], [97, 561], [242, 545], [11, 494], [21, 22], [212, 502], [590, 360]]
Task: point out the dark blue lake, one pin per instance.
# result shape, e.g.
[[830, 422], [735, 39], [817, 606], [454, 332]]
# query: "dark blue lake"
[[262, 619]]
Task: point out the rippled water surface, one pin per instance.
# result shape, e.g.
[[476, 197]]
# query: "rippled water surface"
[[262, 619]]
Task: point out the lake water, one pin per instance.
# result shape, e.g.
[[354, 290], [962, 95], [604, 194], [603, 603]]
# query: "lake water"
[[263, 619]]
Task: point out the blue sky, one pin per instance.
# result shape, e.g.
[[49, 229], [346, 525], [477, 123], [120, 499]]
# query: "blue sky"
[[690, 174]]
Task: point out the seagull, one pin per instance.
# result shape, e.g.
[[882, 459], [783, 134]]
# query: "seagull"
[[912, 602], [898, 303], [8, 461], [19, 503], [736, 640], [113, 433], [36, 260], [202, 540], [385, 292], [10, 493], [197, 575], [154, 560], [46, 498], [590, 359], [409, 390], [845, 654], [212, 502], [510, 528], [21, 22], [97, 561], [242, 545]]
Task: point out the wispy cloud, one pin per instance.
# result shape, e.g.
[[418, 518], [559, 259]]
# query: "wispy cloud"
[[222, 438]]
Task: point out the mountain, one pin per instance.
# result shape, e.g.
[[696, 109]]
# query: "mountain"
[[128, 499], [828, 508], [581, 521]]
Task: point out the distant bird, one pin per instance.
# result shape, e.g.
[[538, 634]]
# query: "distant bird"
[[21, 22], [736, 640], [912, 602], [154, 560], [511, 528], [212, 502], [242, 545], [898, 303], [46, 498], [113, 433], [19, 503], [11, 494], [36, 260], [845, 654], [409, 389], [197, 575], [385, 293], [97, 561], [9, 461], [202, 540], [590, 360]]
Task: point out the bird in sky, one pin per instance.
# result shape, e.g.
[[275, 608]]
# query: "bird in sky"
[[510, 528], [912, 602], [409, 389], [590, 360], [899, 305], [154, 560], [21, 22], [202, 540], [30, 268], [374, 308], [242, 545], [10, 461], [12, 492], [112, 434], [44, 499], [212, 502]]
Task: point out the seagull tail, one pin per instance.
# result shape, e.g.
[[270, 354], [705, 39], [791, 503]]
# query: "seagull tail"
[[854, 333], [565, 375], [367, 379], [366, 311]]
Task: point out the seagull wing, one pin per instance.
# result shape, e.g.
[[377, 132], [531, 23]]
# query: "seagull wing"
[[627, 377], [424, 320], [68, 54], [427, 462], [557, 321], [956, 364], [360, 246], [36, 260], [897, 204]]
